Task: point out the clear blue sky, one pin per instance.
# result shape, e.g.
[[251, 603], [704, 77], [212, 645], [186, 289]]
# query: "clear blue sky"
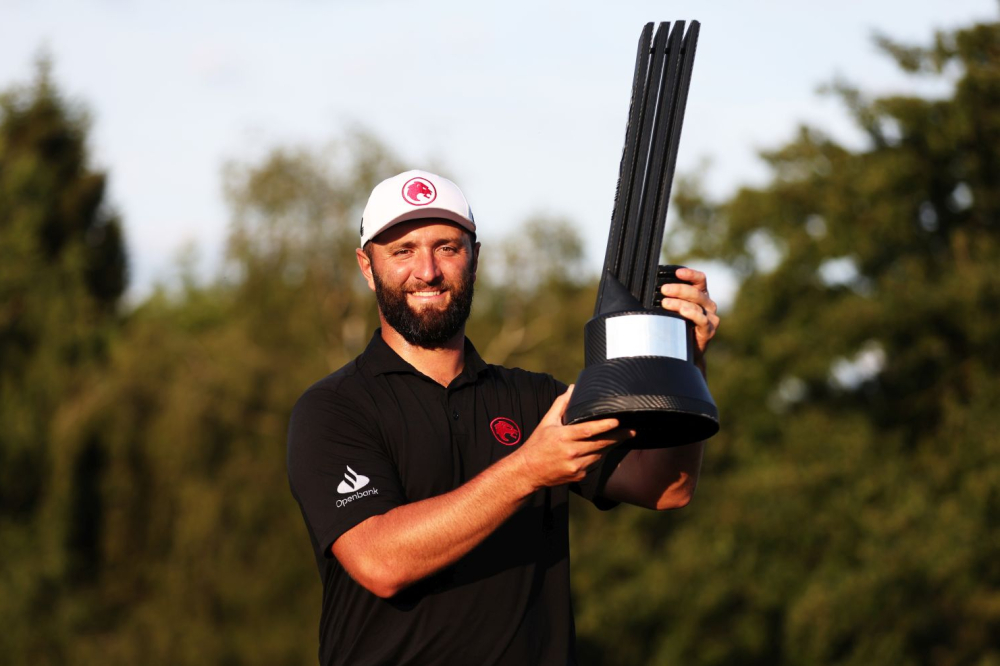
[[523, 102]]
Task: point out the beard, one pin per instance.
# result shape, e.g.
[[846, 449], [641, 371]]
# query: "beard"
[[429, 327]]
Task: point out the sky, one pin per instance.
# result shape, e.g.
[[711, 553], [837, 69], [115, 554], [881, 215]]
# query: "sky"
[[523, 104]]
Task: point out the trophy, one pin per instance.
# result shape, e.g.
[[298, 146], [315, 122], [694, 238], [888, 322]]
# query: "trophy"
[[639, 357]]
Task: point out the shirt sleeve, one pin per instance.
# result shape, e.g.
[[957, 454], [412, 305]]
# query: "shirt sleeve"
[[591, 487], [337, 469]]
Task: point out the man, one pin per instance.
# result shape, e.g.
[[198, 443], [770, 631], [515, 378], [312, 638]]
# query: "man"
[[434, 486]]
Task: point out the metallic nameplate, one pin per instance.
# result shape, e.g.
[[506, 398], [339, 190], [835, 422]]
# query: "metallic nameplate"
[[646, 335]]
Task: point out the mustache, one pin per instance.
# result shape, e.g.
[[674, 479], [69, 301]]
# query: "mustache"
[[437, 286]]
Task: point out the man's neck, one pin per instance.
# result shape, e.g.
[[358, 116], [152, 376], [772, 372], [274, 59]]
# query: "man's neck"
[[442, 364]]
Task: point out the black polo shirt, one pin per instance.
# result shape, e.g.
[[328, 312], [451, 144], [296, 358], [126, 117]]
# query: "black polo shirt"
[[377, 434]]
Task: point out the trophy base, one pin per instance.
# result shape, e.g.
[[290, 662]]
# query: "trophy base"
[[665, 400]]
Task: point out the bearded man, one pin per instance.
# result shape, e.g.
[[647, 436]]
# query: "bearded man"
[[435, 486]]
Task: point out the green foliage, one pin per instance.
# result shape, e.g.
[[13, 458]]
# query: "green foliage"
[[847, 513], [62, 270], [182, 544], [199, 555], [532, 300], [848, 510]]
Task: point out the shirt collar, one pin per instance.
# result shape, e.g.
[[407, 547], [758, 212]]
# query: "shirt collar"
[[383, 359]]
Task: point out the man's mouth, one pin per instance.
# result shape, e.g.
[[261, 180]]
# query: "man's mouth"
[[430, 293]]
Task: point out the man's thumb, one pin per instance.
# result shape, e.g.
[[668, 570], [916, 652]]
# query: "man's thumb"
[[558, 407]]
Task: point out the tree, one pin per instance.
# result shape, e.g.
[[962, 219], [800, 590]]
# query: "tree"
[[160, 528], [849, 507], [201, 553], [63, 271]]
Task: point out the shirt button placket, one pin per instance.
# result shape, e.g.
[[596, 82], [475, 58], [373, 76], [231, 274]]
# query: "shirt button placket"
[[458, 436]]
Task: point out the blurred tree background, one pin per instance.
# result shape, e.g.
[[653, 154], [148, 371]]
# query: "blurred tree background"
[[848, 510]]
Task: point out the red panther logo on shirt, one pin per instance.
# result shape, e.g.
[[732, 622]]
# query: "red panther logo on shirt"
[[505, 430], [419, 191]]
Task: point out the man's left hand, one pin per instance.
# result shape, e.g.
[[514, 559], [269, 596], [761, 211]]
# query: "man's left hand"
[[692, 302]]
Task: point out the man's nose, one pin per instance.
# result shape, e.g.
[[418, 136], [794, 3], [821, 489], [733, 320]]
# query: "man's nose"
[[427, 268]]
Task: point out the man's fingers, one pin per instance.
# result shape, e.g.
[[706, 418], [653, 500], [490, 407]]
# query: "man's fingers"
[[590, 461], [590, 429], [697, 279], [693, 312], [686, 292], [687, 299], [608, 439]]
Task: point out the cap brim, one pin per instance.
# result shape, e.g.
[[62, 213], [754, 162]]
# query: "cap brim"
[[429, 212]]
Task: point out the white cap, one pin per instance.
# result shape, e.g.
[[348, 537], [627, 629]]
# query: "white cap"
[[413, 195]]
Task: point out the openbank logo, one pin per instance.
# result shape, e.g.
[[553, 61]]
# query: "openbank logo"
[[353, 483]]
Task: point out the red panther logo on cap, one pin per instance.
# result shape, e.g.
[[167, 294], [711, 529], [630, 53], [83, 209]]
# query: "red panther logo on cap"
[[419, 191], [505, 430]]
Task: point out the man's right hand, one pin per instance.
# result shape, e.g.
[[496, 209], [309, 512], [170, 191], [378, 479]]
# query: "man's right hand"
[[391, 551], [558, 454]]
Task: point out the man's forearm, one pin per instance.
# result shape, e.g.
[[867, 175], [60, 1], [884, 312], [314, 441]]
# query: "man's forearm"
[[389, 552], [657, 478]]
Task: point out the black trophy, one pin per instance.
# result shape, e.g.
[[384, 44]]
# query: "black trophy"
[[639, 358]]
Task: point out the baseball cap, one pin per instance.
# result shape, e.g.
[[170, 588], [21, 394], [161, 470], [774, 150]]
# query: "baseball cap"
[[413, 195]]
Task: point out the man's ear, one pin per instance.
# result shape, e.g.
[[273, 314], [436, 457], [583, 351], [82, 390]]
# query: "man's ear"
[[475, 260], [365, 264]]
